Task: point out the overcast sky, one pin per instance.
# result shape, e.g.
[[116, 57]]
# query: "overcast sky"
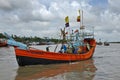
[[44, 18]]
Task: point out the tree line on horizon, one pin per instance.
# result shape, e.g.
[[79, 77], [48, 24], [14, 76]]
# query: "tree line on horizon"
[[31, 39]]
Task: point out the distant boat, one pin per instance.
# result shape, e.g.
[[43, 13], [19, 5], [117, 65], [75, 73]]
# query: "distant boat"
[[99, 43], [3, 43], [106, 43]]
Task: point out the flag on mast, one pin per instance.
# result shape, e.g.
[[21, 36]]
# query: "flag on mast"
[[67, 21], [78, 17]]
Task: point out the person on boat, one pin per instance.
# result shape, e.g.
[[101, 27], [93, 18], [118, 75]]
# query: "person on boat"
[[73, 48], [69, 49], [77, 34], [76, 50], [47, 48], [79, 51], [86, 46], [63, 48], [60, 51]]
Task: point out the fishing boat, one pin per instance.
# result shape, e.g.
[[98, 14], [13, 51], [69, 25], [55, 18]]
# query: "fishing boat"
[[106, 43], [99, 43], [76, 46], [34, 56], [3, 43]]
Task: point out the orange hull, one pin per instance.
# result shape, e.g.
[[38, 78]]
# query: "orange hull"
[[34, 56]]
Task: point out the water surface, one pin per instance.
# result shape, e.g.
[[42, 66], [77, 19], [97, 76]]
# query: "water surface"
[[105, 65]]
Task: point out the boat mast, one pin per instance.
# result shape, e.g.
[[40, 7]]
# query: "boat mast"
[[93, 32], [82, 17], [82, 27]]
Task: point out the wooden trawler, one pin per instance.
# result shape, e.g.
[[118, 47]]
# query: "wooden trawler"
[[99, 43], [78, 47], [106, 43], [3, 43], [34, 56]]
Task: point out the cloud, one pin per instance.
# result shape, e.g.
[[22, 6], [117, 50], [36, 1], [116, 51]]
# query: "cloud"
[[45, 17], [5, 5], [114, 6]]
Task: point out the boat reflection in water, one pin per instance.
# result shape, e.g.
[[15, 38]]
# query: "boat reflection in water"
[[84, 70]]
